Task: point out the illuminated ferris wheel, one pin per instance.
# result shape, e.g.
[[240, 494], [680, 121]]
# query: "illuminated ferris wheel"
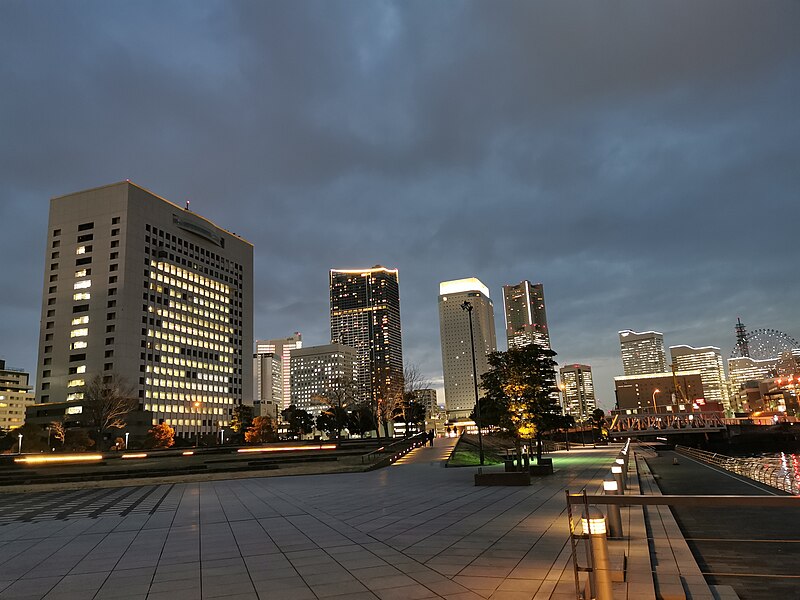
[[763, 344]]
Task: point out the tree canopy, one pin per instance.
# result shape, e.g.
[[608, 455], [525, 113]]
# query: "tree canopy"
[[519, 392]]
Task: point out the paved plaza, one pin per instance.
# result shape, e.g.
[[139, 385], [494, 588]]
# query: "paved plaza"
[[414, 530]]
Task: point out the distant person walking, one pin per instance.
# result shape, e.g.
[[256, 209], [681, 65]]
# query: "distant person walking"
[[431, 435]]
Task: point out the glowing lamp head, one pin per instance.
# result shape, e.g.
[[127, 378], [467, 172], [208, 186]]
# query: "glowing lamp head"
[[594, 523], [620, 461], [616, 469], [609, 485]]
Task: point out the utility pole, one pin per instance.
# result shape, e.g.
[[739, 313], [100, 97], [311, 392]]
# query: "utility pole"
[[468, 307]]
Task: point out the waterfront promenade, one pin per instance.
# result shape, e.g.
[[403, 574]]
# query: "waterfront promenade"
[[756, 551], [411, 531]]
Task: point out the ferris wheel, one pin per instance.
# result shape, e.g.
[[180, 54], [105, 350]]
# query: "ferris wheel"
[[764, 344]]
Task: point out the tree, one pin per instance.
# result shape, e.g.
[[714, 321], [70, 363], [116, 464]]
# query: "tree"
[[406, 408], [598, 424], [522, 380], [332, 421], [361, 420], [298, 421], [77, 440], [340, 395], [108, 400], [58, 432], [242, 418], [262, 430], [34, 439], [160, 436]]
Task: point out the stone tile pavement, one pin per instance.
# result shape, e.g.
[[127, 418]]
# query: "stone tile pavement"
[[412, 531]]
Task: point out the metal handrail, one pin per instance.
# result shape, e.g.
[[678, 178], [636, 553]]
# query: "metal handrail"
[[771, 471], [393, 448]]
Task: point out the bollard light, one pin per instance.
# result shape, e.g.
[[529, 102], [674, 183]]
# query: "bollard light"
[[616, 471], [594, 525], [620, 461], [610, 488]]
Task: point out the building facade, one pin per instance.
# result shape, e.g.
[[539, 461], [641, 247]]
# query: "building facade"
[[454, 330], [282, 348], [707, 360], [427, 397], [15, 397], [365, 315], [317, 372], [267, 384], [659, 392], [139, 288], [642, 352], [578, 389], [525, 315]]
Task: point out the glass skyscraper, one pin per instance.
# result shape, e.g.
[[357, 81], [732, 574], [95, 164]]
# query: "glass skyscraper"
[[525, 315], [365, 315]]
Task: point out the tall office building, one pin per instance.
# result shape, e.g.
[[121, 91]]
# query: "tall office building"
[[459, 384], [267, 384], [578, 389], [525, 315], [282, 348], [742, 369], [15, 397], [708, 361], [365, 315], [138, 287], [317, 372], [642, 352]]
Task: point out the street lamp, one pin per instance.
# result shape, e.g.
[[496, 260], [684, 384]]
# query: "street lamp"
[[19, 440], [126, 440], [563, 387], [196, 424], [468, 307], [655, 391]]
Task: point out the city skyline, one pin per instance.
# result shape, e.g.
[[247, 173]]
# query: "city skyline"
[[446, 141]]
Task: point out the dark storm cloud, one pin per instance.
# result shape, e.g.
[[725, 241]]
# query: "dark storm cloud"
[[639, 158]]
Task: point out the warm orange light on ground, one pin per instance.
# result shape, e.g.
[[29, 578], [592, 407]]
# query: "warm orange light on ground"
[[34, 460], [288, 448]]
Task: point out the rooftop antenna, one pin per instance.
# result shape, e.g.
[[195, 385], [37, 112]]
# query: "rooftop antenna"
[[741, 338]]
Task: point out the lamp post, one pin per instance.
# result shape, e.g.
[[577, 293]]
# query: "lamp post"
[[126, 440], [19, 440], [468, 307], [562, 386], [655, 391], [196, 424]]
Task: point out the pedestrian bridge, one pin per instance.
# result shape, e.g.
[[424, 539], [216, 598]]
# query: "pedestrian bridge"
[[654, 424]]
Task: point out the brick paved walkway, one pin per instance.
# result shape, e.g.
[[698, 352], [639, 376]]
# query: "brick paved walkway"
[[411, 531]]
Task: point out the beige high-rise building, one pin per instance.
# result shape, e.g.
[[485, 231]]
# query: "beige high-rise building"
[[15, 397], [642, 352], [742, 369], [707, 360], [267, 384], [141, 288], [282, 348], [578, 389], [454, 328]]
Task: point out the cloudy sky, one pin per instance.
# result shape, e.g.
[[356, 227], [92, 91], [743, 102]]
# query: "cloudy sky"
[[641, 158]]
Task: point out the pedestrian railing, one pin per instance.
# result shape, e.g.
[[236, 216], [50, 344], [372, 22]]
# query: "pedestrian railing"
[[782, 472], [392, 451]]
